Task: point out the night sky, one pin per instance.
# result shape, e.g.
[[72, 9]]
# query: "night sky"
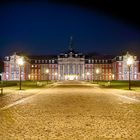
[[45, 28]]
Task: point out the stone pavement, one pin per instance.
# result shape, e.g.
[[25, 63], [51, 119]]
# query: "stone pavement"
[[72, 114], [11, 96]]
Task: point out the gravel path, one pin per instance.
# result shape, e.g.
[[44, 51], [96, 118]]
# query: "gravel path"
[[72, 113]]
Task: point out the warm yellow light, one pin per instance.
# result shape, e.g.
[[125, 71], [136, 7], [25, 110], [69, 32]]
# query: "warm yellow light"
[[113, 76], [129, 61], [29, 76], [71, 77], [97, 71], [20, 61], [47, 70], [55, 73], [88, 73]]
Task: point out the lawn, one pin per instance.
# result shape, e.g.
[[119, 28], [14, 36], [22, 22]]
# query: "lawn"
[[135, 85], [24, 84]]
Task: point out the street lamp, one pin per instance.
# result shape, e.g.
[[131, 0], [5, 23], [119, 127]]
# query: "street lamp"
[[1, 84], [47, 72], [97, 72], [20, 63], [129, 63]]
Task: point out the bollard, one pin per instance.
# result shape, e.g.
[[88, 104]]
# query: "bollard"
[[1, 90]]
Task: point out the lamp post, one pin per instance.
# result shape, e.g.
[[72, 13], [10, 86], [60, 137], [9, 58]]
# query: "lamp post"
[[129, 63], [1, 84], [20, 63], [97, 72], [47, 72]]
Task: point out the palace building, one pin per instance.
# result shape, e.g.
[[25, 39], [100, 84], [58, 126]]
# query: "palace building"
[[71, 65]]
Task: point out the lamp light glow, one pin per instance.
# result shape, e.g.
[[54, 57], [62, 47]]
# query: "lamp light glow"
[[47, 70], [129, 61], [20, 61], [97, 71], [88, 73]]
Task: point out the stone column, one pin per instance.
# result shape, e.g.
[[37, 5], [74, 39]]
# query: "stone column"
[[63, 72], [68, 69]]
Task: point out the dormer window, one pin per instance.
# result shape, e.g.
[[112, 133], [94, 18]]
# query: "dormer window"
[[120, 58], [76, 55], [70, 54], [65, 55], [7, 58]]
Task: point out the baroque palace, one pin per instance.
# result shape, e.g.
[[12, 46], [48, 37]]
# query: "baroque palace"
[[71, 65]]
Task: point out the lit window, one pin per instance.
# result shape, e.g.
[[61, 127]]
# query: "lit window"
[[35, 61], [52, 61], [42, 61], [7, 58], [89, 61]]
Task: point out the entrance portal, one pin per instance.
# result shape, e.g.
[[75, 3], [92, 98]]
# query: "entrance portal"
[[71, 77]]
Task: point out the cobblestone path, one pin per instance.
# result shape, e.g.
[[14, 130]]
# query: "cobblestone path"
[[72, 113]]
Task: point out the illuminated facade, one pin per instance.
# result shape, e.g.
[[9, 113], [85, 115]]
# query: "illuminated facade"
[[71, 65], [120, 68], [12, 69]]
